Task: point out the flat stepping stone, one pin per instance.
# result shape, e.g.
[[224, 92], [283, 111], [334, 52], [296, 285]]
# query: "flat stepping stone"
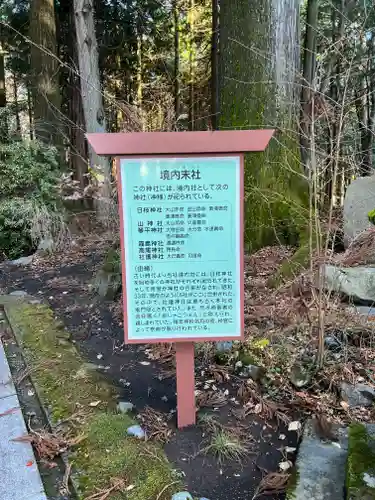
[[19, 474], [6, 383], [321, 466]]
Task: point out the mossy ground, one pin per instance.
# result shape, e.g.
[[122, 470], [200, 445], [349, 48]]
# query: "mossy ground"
[[361, 460], [67, 386]]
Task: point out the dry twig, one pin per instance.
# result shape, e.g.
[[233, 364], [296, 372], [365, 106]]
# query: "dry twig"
[[273, 483]]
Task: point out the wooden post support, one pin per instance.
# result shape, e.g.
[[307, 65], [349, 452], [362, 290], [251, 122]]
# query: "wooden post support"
[[186, 411]]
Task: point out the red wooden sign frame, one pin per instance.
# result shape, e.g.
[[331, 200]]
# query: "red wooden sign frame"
[[123, 258]]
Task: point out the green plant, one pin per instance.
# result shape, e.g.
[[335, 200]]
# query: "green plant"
[[226, 446], [371, 216], [28, 187]]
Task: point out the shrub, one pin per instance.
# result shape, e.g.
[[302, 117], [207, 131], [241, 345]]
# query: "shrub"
[[28, 186]]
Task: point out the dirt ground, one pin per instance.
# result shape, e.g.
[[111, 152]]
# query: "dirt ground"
[[65, 282]]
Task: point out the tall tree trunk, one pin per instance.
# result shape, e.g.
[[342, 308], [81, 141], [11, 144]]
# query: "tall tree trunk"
[[308, 81], [30, 113], [16, 106], [45, 72], [140, 75], [365, 107], [92, 99], [215, 103], [259, 59], [333, 125], [78, 144], [176, 60], [3, 99], [191, 66], [4, 132]]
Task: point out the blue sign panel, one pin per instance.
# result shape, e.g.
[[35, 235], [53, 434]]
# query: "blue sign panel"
[[182, 242]]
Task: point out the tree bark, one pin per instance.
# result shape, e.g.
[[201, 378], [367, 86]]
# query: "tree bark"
[[92, 99], [4, 132], [45, 72], [78, 145], [140, 72], [176, 61], [16, 106], [191, 66], [259, 63], [3, 99], [215, 103], [308, 78], [30, 113], [365, 107]]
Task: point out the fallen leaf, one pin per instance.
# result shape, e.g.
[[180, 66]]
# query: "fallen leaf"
[[302, 394], [95, 403], [284, 466], [29, 463], [258, 409], [8, 412], [290, 449], [295, 426], [51, 465], [344, 405]]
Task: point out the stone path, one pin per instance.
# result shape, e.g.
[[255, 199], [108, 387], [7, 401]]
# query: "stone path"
[[19, 474]]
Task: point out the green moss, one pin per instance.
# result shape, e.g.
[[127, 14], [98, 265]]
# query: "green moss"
[[247, 358], [361, 460], [66, 385], [371, 216], [292, 484], [56, 364], [112, 261], [108, 453], [293, 266]]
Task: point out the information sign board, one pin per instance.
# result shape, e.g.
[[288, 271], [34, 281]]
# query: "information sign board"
[[181, 216], [182, 244]]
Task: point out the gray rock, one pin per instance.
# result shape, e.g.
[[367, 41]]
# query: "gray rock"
[[18, 293], [107, 284], [183, 495], [300, 376], [34, 302], [22, 261], [320, 467], [224, 346], [125, 406], [357, 395], [332, 343], [250, 371], [359, 201], [136, 431], [46, 245], [357, 283]]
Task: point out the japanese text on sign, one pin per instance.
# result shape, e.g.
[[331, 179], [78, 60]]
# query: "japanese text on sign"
[[182, 247]]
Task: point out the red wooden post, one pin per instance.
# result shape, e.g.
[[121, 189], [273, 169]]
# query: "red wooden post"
[[185, 384]]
